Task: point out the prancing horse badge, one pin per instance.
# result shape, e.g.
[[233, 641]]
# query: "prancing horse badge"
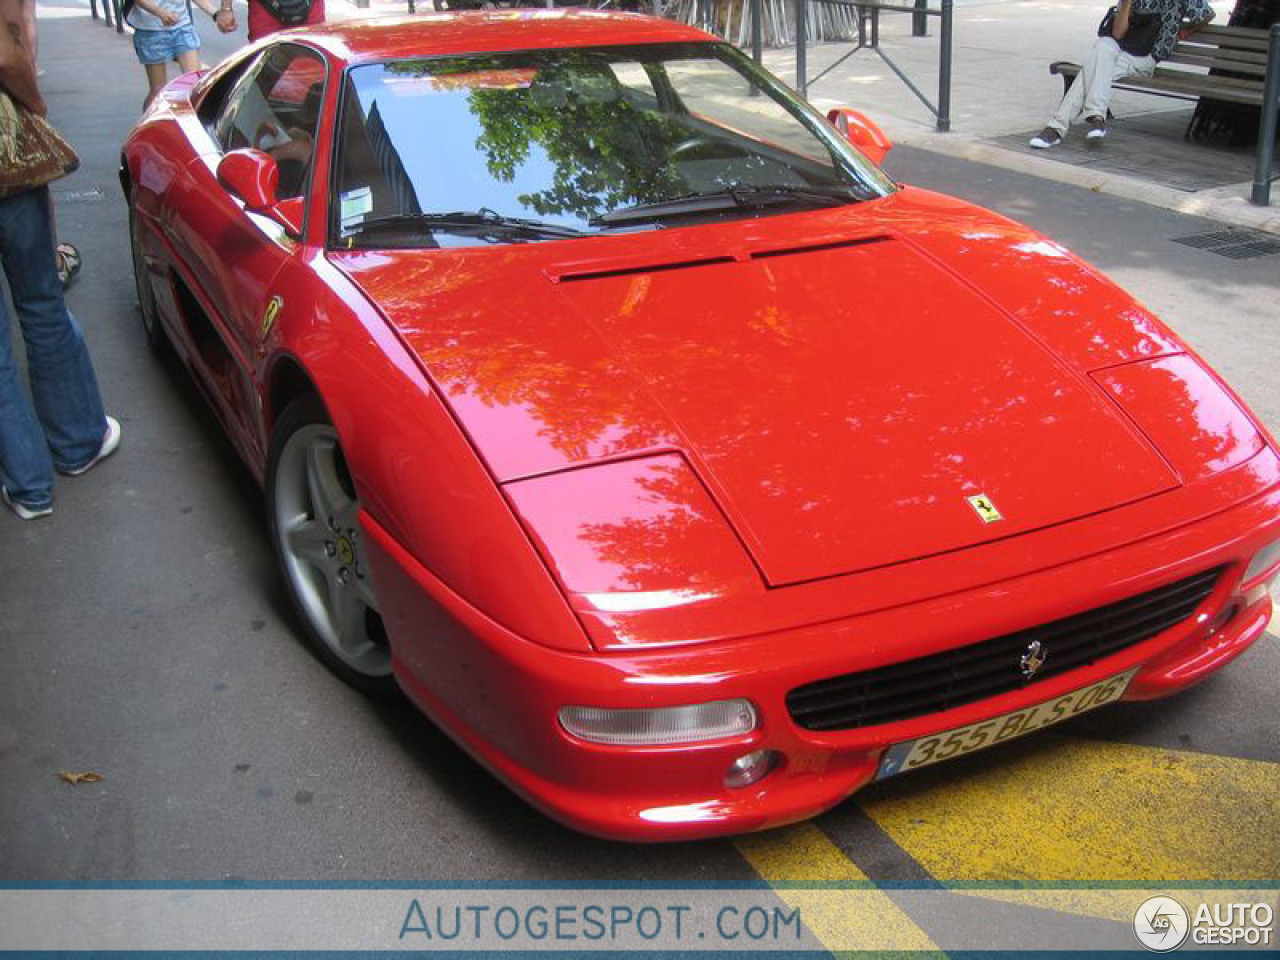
[[984, 508], [269, 317]]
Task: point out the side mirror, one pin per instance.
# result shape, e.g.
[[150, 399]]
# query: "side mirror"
[[254, 177], [862, 132]]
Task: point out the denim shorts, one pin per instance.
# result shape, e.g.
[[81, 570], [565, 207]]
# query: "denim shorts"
[[161, 46]]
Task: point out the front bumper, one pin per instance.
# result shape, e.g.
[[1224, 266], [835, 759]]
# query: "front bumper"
[[498, 694]]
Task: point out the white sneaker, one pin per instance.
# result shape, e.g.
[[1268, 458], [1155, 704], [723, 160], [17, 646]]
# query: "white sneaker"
[[110, 440], [24, 512], [1097, 128], [1046, 138]]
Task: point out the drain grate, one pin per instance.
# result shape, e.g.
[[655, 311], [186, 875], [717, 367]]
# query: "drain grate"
[[1234, 244]]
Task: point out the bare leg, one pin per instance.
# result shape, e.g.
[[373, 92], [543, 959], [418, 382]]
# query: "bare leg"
[[157, 74], [189, 60]]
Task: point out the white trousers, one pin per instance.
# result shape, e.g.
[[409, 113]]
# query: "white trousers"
[[1089, 93]]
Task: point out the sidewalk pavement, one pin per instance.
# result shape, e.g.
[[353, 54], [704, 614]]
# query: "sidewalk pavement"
[[1002, 94]]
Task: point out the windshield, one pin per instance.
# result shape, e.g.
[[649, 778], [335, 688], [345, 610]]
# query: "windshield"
[[535, 146]]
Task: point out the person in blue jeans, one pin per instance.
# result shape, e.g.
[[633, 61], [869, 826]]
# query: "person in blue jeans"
[[163, 31], [65, 428]]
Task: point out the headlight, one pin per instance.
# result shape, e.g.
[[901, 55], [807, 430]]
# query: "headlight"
[[631, 727], [1266, 560]]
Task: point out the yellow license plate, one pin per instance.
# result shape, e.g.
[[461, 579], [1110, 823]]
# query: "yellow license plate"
[[914, 754]]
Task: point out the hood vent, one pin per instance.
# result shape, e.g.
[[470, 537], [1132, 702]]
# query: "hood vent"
[[642, 268], [569, 276], [816, 247]]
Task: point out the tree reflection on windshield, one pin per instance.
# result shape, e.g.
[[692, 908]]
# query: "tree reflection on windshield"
[[605, 154], [565, 136]]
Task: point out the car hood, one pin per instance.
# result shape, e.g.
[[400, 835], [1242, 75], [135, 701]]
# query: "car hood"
[[893, 381]]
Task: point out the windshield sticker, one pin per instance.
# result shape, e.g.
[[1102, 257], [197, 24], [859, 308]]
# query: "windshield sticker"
[[352, 207]]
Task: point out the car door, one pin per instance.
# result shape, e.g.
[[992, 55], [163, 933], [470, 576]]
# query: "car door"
[[234, 258]]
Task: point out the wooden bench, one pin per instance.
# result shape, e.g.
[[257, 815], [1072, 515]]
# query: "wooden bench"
[[1184, 74]]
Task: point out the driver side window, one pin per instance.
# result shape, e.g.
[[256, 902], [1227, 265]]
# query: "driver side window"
[[276, 108]]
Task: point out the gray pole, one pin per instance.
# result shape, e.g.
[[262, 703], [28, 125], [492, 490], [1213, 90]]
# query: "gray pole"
[[802, 11], [919, 22], [757, 32], [944, 69], [1267, 126]]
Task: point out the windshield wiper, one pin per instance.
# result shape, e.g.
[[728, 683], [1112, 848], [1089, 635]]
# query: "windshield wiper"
[[739, 197], [484, 224]]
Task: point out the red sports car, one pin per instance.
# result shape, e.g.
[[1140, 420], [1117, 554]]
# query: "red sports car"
[[686, 469]]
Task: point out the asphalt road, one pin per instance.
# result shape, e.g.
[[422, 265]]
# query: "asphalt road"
[[144, 636]]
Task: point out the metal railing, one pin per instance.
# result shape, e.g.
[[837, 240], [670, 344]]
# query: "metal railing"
[[869, 39], [1263, 174], [111, 13]]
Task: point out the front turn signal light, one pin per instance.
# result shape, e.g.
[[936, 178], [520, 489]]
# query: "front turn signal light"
[[1264, 563], [660, 725]]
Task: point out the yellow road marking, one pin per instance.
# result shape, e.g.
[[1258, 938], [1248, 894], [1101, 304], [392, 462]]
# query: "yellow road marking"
[[846, 911], [1076, 811]]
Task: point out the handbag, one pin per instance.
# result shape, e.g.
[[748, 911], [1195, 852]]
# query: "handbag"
[[1140, 39], [31, 152], [289, 12]]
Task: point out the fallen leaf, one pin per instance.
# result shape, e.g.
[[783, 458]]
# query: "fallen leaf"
[[73, 778]]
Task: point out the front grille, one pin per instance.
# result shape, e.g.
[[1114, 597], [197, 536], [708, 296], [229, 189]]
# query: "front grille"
[[974, 672]]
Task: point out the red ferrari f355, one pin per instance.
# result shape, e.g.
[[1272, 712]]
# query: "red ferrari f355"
[[686, 469]]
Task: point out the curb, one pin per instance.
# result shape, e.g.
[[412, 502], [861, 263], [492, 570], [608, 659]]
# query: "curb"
[[1232, 209]]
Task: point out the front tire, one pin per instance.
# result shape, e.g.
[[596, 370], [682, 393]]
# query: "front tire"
[[157, 339], [313, 512]]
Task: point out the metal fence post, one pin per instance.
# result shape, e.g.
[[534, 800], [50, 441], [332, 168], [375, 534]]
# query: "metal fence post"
[[944, 68], [802, 12], [1262, 173], [919, 22], [757, 33], [705, 15], [119, 14]]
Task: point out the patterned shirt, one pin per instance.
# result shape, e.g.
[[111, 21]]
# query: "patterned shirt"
[[1172, 13]]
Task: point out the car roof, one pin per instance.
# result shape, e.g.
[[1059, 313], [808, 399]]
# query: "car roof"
[[434, 34]]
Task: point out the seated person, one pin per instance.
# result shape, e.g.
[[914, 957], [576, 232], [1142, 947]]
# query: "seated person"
[[1115, 55]]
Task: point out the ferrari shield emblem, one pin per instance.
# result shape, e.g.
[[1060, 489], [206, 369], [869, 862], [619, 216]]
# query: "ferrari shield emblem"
[[269, 317], [984, 508]]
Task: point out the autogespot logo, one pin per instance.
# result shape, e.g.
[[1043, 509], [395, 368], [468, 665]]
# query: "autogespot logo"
[[1161, 924]]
